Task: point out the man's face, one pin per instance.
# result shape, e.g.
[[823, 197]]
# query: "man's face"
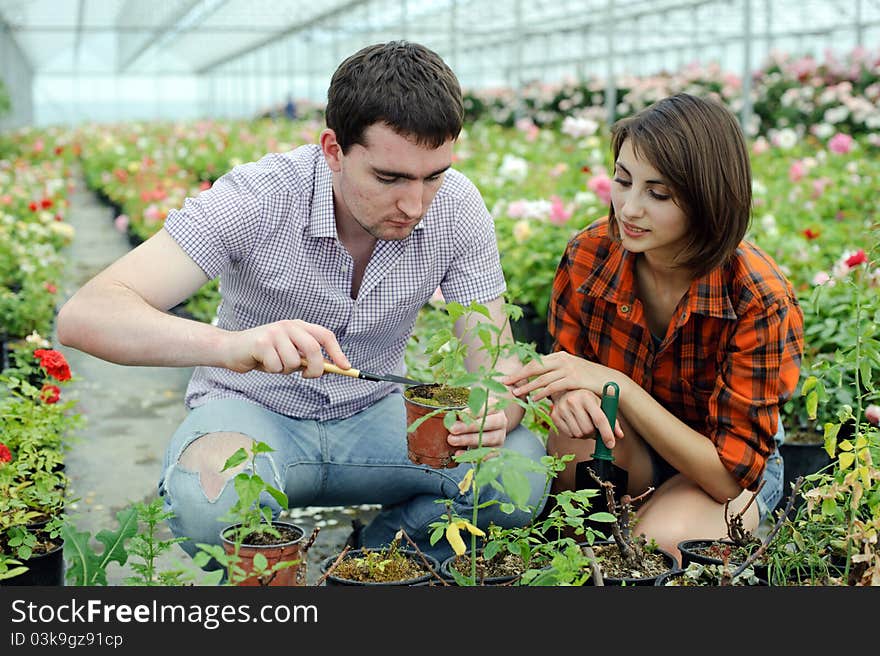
[[385, 186]]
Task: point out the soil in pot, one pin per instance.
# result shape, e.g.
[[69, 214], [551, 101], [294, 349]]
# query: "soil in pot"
[[286, 548], [504, 568], [714, 552], [383, 566], [427, 444], [615, 572]]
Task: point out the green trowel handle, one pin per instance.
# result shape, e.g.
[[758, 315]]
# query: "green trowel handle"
[[610, 397]]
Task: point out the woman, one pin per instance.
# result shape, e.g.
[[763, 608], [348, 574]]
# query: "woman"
[[701, 330]]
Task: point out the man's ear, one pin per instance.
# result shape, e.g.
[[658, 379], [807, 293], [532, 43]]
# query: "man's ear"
[[332, 150]]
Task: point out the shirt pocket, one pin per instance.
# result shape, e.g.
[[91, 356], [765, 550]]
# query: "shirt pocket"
[[695, 403]]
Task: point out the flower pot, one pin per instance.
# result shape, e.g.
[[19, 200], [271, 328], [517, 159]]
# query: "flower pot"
[[531, 328], [43, 569], [290, 549], [411, 554], [693, 551], [676, 578], [487, 574], [427, 444], [802, 459], [606, 549]]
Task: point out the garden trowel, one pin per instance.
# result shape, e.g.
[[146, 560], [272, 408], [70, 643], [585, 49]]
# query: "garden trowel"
[[602, 463]]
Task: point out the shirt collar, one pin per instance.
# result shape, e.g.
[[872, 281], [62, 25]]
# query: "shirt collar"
[[614, 282]]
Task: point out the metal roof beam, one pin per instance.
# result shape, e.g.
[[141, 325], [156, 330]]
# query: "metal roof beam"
[[292, 29], [155, 33]]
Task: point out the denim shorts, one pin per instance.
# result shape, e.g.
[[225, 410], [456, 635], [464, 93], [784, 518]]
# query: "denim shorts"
[[774, 475]]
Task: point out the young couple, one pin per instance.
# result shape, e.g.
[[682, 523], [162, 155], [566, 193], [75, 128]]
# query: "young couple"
[[328, 252]]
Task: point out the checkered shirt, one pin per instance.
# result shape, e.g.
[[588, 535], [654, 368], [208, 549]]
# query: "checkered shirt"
[[730, 357], [268, 229]]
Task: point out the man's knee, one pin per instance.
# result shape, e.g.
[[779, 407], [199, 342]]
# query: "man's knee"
[[206, 456]]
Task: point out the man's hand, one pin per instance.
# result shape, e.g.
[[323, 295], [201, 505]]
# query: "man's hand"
[[465, 436], [282, 347]]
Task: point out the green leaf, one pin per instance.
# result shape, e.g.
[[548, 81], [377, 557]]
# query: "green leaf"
[[477, 400], [261, 447], [602, 517], [235, 459], [260, 562], [86, 567], [517, 486], [278, 495]]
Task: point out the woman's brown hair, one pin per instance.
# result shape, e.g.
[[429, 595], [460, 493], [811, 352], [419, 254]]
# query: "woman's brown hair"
[[699, 148]]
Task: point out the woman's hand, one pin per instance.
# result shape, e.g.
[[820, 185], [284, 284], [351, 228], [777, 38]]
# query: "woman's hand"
[[578, 414], [557, 373]]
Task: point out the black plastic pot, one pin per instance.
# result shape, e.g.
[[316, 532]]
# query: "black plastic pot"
[[43, 569], [446, 572], [690, 554], [612, 581], [801, 459], [332, 579], [668, 579]]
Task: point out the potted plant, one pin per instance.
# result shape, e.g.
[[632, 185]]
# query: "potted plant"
[[255, 549], [625, 559], [391, 565], [505, 470]]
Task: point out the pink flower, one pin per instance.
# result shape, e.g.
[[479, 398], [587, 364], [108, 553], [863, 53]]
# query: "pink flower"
[[601, 186], [872, 414], [840, 143], [558, 170], [516, 209], [821, 278], [819, 186], [121, 222], [760, 146], [559, 215], [797, 170]]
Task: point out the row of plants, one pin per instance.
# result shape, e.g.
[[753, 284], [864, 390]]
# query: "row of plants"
[[790, 96]]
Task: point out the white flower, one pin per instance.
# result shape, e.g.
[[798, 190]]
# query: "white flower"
[[579, 127], [513, 168]]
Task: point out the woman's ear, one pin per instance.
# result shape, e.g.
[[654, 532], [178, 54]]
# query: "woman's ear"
[[332, 150]]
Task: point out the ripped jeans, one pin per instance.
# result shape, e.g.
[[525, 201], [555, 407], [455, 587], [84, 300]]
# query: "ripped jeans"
[[358, 460]]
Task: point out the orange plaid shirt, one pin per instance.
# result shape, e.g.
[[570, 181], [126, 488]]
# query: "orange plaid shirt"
[[730, 356]]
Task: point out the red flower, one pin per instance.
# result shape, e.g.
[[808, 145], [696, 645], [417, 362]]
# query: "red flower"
[[46, 203], [809, 233], [54, 363], [856, 259], [49, 287], [32, 206], [59, 150], [50, 394], [5, 453]]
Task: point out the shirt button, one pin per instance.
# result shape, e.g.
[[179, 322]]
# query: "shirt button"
[[624, 309]]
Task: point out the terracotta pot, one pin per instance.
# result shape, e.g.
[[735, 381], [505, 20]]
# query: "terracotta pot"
[[427, 444], [274, 553]]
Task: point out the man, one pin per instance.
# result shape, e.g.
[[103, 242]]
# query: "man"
[[325, 252]]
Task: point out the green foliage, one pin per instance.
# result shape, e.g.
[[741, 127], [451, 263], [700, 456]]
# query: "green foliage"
[[250, 516], [87, 567], [147, 547]]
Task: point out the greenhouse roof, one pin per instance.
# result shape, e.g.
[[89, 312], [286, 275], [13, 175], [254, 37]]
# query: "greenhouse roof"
[[196, 36]]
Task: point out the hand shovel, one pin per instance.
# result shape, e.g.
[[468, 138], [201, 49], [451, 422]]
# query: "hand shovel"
[[602, 463]]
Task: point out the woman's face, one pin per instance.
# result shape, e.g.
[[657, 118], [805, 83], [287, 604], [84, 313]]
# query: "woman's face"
[[648, 219]]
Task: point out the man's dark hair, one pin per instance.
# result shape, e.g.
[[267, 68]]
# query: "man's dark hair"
[[698, 146], [403, 84]]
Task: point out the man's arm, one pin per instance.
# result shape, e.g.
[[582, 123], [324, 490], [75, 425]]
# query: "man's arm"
[[121, 316]]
